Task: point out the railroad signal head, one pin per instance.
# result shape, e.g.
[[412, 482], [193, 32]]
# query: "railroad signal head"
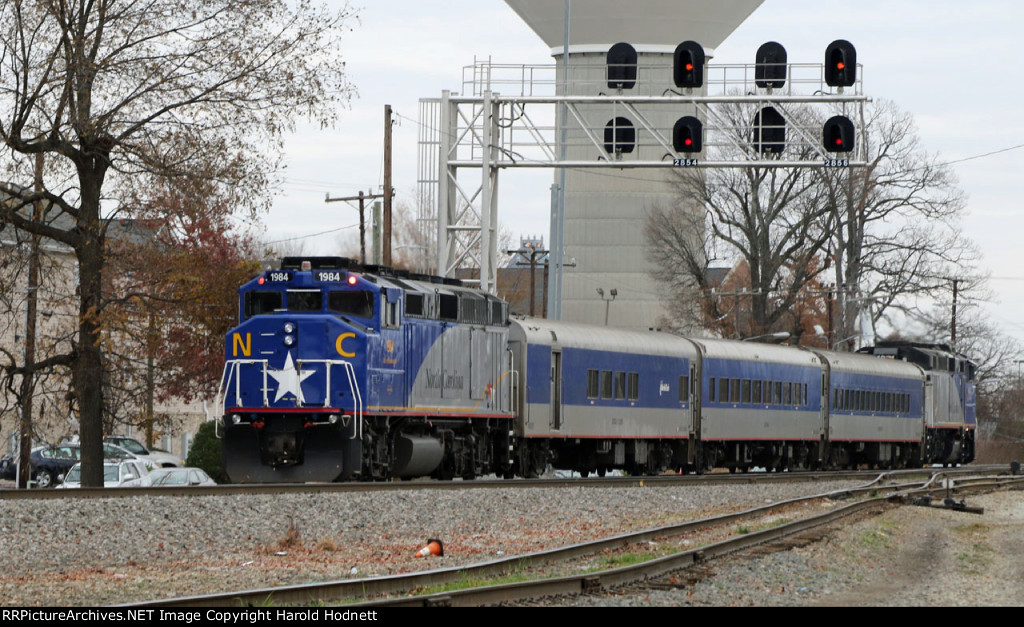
[[840, 64], [769, 131], [688, 65], [838, 134], [687, 135], [622, 66], [770, 68], [619, 136]]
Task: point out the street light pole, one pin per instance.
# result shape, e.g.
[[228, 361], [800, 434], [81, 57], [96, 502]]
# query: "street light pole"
[[607, 301]]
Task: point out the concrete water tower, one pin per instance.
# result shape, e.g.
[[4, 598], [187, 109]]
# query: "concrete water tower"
[[605, 209]]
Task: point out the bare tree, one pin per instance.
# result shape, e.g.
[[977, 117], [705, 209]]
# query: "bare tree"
[[125, 92], [887, 234], [767, 217], [895, 224]]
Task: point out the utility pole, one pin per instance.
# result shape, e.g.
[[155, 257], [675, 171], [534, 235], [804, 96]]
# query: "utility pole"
[[952, 339], [362, 198], [28, 380], [534, 253], [385, 253], [388, 191]]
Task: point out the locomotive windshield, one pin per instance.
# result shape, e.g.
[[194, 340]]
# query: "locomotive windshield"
[[305, 300], [358, 304], [257, 303]]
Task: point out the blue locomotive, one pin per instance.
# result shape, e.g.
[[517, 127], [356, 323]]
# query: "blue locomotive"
[[339, 371]]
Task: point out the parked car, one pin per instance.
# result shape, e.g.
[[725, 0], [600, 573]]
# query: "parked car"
[[7, 469], [180, 477], [158, 458], [124, 473], [49, 464]]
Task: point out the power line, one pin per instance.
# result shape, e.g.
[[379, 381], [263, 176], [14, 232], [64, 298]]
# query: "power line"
[[292, 239]]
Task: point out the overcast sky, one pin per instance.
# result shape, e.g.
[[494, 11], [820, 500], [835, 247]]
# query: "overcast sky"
[[942, 60]]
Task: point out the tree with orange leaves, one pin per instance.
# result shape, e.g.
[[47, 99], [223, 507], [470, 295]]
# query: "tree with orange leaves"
[[124, 95]]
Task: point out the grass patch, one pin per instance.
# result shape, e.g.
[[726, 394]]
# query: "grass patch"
[[466, 582], [626, 559], [975, 559], [876, 538], [975, 528]]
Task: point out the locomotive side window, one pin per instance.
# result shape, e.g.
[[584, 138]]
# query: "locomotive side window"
[[414, 304], [358, 304], [756, 394], [684, 389], [746, 391], [257, 303], [305, 300], [449, 304], [734, 388], [723, 390], [711, 389], [633, 386]]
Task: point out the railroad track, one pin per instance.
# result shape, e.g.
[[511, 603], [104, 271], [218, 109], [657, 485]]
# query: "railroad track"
[[430, 484], [558, 571]]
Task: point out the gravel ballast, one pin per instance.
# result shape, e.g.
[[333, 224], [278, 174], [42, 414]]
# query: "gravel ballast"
[[87, 552]]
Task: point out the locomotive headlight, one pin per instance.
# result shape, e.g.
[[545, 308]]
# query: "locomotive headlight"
[[289, 328], [289, 340], [333, 418], [236, 419]]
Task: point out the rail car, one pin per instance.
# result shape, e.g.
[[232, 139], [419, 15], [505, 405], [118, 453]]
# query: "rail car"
[[338, 371]]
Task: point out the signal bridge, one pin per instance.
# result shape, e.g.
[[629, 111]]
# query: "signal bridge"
[[621, 110]]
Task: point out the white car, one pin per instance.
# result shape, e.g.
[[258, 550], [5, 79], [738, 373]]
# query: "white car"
[[157, 459], [123, 473], [180, 477]]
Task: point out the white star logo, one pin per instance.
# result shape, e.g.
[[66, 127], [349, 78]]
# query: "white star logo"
[[289, 378]]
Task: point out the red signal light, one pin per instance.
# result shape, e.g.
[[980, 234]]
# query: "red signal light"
[[840, 66], [689, 67], [688, 142], [261, 280], [838, 134]]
